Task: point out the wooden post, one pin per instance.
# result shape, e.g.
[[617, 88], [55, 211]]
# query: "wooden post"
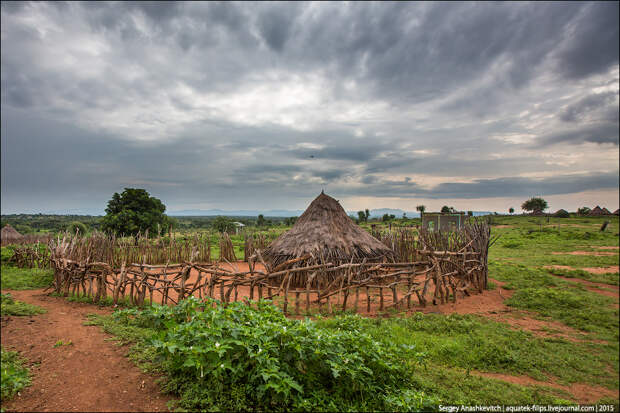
[[380, 298], [367, 300], [357, 298], [297, 302]]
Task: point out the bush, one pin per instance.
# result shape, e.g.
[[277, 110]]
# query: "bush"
[[238, 357], [77, 226]]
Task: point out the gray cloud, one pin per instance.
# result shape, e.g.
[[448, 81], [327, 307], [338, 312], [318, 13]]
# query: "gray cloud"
[[226, 103]]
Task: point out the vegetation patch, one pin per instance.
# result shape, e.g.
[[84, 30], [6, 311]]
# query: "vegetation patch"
[[10, 306], [14, 375], [25, 278], [238, 357], [606, 278]]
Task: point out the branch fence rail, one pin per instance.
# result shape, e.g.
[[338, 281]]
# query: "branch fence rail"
[[433, 268]]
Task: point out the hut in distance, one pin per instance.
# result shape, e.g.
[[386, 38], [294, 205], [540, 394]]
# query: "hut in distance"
[[325, 234], [8, 235]]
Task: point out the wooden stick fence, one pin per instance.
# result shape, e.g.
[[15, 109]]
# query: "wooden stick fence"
[[438, 277], [435, 268]]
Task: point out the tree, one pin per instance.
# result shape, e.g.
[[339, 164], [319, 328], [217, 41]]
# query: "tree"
[[361, 216], [77, 227], [536, 205], [583, 210], [134, 211], [470, 213], [421, 209], [446, 209], [260, 221], [511, 210], [366, 215], [223, 224]]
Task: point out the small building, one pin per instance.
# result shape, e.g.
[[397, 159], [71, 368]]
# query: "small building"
[[436, 221], [9, 235], [238, 226]]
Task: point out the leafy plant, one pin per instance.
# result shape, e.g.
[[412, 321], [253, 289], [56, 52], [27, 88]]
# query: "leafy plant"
[[271, 362]]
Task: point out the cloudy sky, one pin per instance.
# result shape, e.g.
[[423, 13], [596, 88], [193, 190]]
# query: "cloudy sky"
[[260, 106]]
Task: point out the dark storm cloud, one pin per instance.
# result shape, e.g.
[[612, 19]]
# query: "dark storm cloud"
[[582, 108], [593, 41], [598, 133], [273, 101]]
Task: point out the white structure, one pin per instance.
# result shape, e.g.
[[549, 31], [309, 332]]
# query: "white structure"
[[238, 225]]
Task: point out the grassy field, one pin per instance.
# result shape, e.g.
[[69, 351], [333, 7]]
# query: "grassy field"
[[439, 358]]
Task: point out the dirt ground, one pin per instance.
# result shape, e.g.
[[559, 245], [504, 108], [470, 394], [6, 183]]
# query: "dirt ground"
[[592, 253], [91, 374]]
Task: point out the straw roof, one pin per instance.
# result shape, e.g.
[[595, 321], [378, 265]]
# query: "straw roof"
[[597, 211], [9, 234], [617, 211], [325, 231], [606, 211]]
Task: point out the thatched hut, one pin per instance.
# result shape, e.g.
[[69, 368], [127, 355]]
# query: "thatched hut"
[[606, 211], [617, 211], [597, 211], [9, 235], [561, 213], [324, 233]]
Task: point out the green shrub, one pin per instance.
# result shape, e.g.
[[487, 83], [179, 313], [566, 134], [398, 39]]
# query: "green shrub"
[[14, 375], [272, 363]]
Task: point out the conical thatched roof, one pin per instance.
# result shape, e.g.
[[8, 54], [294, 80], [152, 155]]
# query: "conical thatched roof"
[[9, 234], [606, 211], [561, 213], [325, 231], [617, 211], [596, 211]]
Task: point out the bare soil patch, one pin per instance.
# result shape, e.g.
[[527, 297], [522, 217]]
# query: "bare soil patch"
[[90, 374], [603, 270], [607, 248], [593, 253], [582, 393], [594, 270]]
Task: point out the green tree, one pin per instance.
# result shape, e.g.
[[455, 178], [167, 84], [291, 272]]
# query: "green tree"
[[361, 216], [223, 224], [366, 214], [134, 211], [583, 210], [511, 210], [446, 209], [77, 227], [260, 221], [535, 204]]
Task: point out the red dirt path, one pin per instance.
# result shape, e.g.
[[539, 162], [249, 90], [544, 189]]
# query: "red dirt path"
[[89, 375]]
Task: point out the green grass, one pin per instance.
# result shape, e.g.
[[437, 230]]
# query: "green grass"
[[10, 306], [605, 278], [25, 278], [14, 375], [471, 342]]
